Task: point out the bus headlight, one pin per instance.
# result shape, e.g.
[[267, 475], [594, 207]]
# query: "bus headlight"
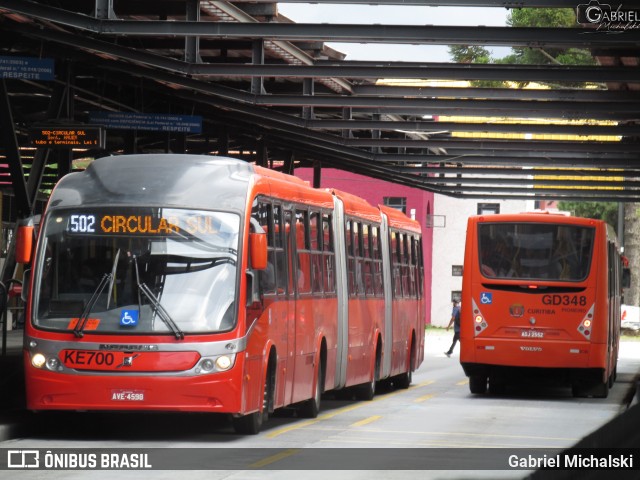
[[38, 360], [53, 363], [221, 363]]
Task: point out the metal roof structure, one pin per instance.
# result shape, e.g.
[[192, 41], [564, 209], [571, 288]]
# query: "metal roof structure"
[[269, 90]]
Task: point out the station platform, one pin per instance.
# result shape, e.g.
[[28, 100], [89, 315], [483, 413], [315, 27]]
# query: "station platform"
[[14, 417]]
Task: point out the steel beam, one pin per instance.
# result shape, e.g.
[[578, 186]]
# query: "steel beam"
[[440, 3], [401, 34], [435, 169], [508, 161], [567, 95], [543, 147], [529, 73], [447, 127], [438, 106]]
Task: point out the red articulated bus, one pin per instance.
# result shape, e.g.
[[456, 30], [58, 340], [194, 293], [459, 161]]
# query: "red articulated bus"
[[207, 284], [541, 294]]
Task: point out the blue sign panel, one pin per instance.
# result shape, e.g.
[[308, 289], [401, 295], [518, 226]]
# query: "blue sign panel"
[[159, 122], [486, 298], [129, 318], [27, 68]]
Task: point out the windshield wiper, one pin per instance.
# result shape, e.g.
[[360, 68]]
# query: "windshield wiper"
[[164, 315], [113, 277], [82, 321]]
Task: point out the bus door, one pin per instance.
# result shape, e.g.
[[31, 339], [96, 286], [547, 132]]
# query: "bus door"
[[289, 329], [278, 295], [302, 329]]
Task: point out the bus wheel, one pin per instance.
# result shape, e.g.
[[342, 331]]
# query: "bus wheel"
[[600, 389], [310, 408], [248, 424], [404, 379], [497, 385], [252, 423], [597, 389], [613, 376], [478, 384], [366, 391]]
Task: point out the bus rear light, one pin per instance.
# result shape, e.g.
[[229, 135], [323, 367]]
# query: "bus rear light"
[[585, 325], [479, 322]]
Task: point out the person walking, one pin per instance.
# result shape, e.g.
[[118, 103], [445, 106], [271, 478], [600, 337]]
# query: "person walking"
[[455, 321]]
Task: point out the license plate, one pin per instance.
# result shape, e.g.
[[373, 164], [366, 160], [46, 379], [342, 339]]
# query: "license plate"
[[532, 334], [127, 395]]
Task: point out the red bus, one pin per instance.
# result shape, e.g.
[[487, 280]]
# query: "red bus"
[[207, 284], [541, 294]]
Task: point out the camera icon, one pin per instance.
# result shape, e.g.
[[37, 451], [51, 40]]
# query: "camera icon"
[[593, 12]]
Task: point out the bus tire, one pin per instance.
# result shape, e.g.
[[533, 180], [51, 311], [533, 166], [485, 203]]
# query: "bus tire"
[[478, 384], [404, 379], [366, 391], [248, 424], [613, 376], [252, 423], [497, 385], [601, 389], [310, 408]]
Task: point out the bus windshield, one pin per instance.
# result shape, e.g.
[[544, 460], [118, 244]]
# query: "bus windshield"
[[137, 270], [535, 251]]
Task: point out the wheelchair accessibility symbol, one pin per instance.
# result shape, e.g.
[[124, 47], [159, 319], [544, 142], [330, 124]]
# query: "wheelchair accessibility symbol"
[[129, 318], [486, 298]]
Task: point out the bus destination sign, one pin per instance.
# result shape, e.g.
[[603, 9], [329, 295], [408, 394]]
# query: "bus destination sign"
[[67, 136]]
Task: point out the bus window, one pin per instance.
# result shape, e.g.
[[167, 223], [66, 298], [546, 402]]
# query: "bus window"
[[395, 265], [303, 265], [263, 213], [357, 241], [329, 268], [377, 261], [281, 264], [316, 252], [351, 261], [535, 251], [367, 261]]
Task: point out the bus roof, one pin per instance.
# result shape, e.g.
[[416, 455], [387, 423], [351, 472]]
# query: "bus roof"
[[357, 206], [397, 219], [537, 217], [170, 180]]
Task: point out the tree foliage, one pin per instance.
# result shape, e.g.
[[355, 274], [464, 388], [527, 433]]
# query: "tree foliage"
[[469, 54], [607, 211], [547, 17], [527, 17]]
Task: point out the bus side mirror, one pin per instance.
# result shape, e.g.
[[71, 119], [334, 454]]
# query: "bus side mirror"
[[258, 250], [24, 243], [626, 277]]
